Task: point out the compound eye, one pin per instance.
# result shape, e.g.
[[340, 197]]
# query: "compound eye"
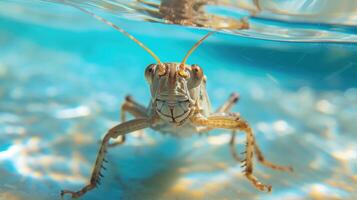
[[196, 76], [149, 73], [183, 72], [162, 69]]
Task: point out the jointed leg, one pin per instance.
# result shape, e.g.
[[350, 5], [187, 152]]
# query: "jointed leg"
[[132, 107], [114, 132], [258, 154], [267, 163], [233, 99], [227, 106], [232, 146], [234, 122]]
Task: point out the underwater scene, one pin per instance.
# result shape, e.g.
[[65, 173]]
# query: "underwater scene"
[[64, 76]]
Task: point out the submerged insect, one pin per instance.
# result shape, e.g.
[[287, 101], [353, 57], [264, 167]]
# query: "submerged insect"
[[179, 106]]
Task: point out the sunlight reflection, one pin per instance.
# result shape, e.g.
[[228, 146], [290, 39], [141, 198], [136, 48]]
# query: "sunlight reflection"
[[221, 139], [275, 129], [346, 154], [22, 156], [320, 192], [325, 106], [68, 113], [204, 184]]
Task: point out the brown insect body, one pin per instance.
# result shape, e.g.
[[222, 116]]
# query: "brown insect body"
[[179, 106]]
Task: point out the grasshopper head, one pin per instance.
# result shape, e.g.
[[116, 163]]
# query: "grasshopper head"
[[174, 89]]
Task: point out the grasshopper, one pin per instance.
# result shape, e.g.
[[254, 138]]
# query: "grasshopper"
[[179, 106]]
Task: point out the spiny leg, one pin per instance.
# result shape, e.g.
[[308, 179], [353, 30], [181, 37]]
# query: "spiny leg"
[[259, 155], [233, 99], [267, 163], [135, 109], [226, 107], [234, 122], [121, 129]]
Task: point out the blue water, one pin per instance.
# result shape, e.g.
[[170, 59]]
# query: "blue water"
[[62, 82]]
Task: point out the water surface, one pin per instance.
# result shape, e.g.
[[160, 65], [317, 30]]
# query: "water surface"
[[63, 76]]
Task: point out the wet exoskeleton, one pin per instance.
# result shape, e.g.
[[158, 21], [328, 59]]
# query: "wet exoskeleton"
[[179, 105]]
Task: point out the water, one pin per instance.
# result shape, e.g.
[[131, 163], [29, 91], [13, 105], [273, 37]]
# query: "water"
[[63, 76]]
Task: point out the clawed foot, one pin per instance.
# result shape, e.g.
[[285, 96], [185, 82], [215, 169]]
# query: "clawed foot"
[[263, 187], [260, 186], [73, 194]]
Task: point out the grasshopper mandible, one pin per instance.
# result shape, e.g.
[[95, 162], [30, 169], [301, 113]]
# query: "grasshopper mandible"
[[179, 106]]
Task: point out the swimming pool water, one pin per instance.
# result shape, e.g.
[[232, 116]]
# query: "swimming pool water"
[[63, 76]]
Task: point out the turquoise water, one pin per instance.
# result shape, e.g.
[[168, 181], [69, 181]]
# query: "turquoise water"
[[63, 76]]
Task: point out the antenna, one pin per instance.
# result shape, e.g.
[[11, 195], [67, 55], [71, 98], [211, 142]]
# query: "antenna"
[[117, 28], [182, 65]]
